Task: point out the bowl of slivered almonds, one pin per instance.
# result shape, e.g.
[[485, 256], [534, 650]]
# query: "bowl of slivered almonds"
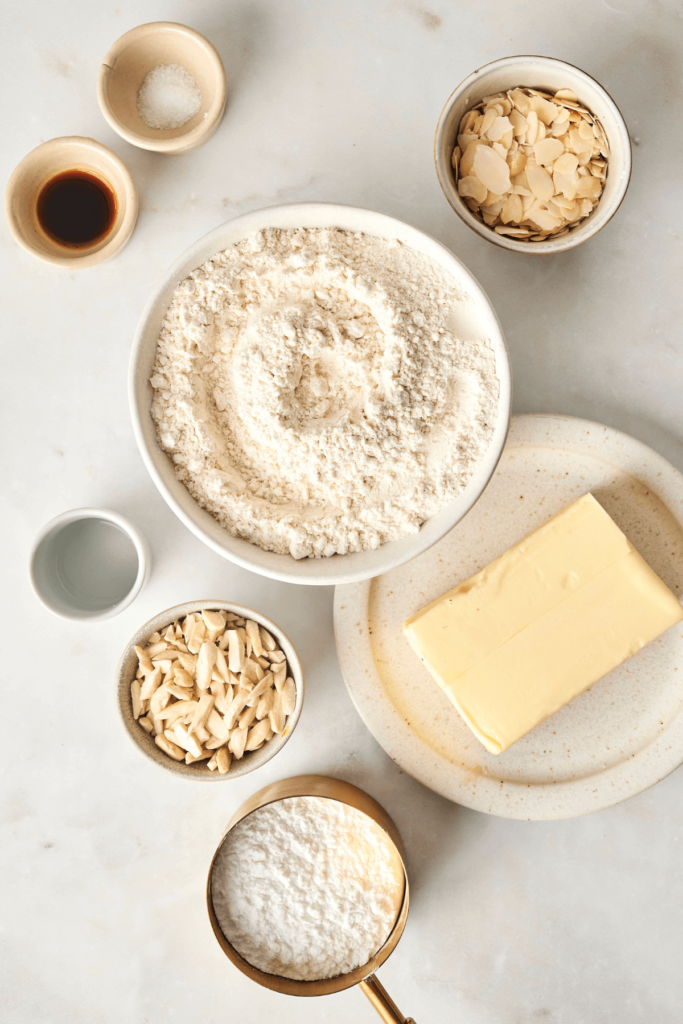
[[210, 690]]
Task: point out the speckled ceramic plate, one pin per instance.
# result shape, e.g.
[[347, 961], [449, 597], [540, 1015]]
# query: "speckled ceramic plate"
[[613, 741]]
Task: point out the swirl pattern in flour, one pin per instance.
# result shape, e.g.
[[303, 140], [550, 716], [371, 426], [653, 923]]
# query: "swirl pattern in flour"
[[321, 391]]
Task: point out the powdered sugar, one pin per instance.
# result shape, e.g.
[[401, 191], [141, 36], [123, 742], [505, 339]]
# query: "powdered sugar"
[[307, 888], [319, 392]]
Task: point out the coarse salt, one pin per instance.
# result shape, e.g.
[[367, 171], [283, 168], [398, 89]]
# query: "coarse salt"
[[169, 97]]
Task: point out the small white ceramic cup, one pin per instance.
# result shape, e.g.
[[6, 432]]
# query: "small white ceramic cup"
[[535, 73], [88, 564]]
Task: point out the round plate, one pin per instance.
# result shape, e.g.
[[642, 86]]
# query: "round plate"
[[613, 741]]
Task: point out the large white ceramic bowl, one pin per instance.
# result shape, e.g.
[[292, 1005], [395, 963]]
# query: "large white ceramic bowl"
[[355, 566]]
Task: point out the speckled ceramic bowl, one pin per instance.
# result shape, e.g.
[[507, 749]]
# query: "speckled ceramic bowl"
[[125, 674]]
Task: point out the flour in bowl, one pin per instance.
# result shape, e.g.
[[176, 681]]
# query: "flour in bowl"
[[320, 391], [307, 888]]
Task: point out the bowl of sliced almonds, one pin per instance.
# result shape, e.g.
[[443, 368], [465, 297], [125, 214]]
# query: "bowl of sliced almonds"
[[533, 154], [210, 690]]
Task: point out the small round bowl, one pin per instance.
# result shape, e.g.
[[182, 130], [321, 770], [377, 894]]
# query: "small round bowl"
[[41, 165], [357, 565], [88, 564], [130, 60], [125, 674], [535, 73]]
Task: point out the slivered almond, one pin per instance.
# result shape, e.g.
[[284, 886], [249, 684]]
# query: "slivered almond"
[[199, 700], [277, 715], [238, 740], [248, 716], [257, 735], [260, 688], [135, 698], [202, 711], [206, 660], [254, 635], [288, 697], [236, 654], [170, 748]]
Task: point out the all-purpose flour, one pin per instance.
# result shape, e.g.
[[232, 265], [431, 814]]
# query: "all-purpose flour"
[[307, 888], [319, 392]]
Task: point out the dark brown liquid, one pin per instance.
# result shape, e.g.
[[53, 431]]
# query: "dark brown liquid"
[[76, 209]]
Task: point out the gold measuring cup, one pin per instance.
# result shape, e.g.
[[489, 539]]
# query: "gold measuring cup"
[[344, 792]]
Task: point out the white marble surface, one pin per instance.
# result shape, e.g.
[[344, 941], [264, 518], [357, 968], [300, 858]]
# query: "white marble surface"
[[103, 858]]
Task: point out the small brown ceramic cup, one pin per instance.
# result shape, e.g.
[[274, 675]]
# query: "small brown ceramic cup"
[[54, 158]]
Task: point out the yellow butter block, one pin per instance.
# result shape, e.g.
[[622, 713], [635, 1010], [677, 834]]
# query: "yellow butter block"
[[542, 623]]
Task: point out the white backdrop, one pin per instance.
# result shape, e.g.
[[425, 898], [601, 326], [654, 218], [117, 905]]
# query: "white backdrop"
[[102, 857]]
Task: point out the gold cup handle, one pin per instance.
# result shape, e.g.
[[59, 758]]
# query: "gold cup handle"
[[382, 1001]]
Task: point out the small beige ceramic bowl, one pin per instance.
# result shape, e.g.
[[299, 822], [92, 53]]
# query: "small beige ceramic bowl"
[[130, 60], [536, 73], [46, 162], [125, 674]]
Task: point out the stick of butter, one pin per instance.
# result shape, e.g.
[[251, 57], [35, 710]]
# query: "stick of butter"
[[539, 625]]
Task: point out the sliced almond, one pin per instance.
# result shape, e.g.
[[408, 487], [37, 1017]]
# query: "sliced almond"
[[470, 186], [589, 187], [540, 182], [532, 127], [518, 122], [223, 760], [146, 724], [466, 165], [547, 151], [492, 170]]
